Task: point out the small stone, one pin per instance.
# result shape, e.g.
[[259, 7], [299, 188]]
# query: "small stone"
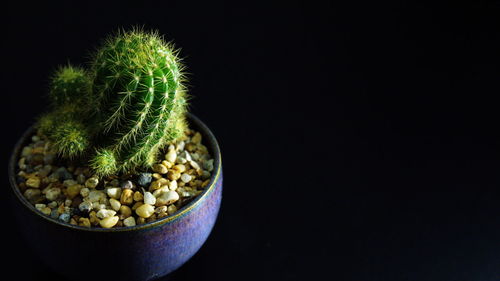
[[205, 175], [127, 185], [156, 176], [159, 168], [196, 139], [92, 182], [46, 211], [84, 222], [145, 211], [108, 222], [137, 205], [205, 183], [115, 204], [73, 221], [144, 179], [27, 150], [64, 217], [180, 168], [171, 156], [93, 218], [125, 212], [80, 179], [64, 174], [54, 214], [96, 196], [68, 183], [84, 192], [130, 221], [157, 192], [127, 197], [186, 178], [40, 206], [167, 198], [114, 182], [172, 209], [167, 164], [53, 193], [73, 190], [173, 185], [149, 198], [35, 138], [138, 196], [209, 165], [52, 204], [114, 192], [157, 184], [33, 182], [161, 209], [190, 147], [67, 202], [99, 206], [45, 171], [194, 165], [188, 157], [105, 213], [180, 146], [173, 175], [141, 220]]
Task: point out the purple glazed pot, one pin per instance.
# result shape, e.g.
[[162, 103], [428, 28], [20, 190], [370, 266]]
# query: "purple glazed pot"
[[142, 252]]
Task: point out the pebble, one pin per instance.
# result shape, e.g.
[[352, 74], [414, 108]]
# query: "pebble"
[[144, 179], [196, 139], [159, 168], [171, 156], [138, 196], [149, 198], [161, 209], [173, 175], [209, 165], [96, 196], [84, 192], [157, 184], [65, 217], [108, 222], [27, 151], [167, 164], [68, 202], [68, 183], [49, 158], [186, 178], [180, 146], [45, 171], [46, 211], [125, 211], [171, 209], [92, 182], [179, 168], [173, 185], [126, 197], [130, 221], [137, 205], [52, 204], [80, 178], [114, 192], [167, 198], [40, 206], [127, 185], [105, 213], [64, 174], [54, 214], [73, 190], [145, 211], [53, 193], [84, 222], [85, 206], [33, 182], [115, 204]]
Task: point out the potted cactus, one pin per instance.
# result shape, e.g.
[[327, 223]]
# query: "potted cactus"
[[117, 165]]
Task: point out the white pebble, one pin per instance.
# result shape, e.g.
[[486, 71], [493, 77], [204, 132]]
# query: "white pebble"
[[186, 177], [104, 213], [130, 221], [115, 204], [167, 198], [171, 156], [85, 206], [149, 198], [40, 206], [172, 209], [114, 192], [92, 182], [172, 185], [96, 195]]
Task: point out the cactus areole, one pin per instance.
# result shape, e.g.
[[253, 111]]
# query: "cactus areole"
[[121, 111]]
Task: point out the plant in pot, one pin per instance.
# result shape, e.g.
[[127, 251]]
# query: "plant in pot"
[[117, 180]]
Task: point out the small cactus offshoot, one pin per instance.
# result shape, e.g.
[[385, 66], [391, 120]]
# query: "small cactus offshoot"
[[121, 112]]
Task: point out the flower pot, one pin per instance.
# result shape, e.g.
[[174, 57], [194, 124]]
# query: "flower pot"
[[141, 252]]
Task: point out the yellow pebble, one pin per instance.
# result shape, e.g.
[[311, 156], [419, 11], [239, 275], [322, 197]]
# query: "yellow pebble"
[[109, 222]]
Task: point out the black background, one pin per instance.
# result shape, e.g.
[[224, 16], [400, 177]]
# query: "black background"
[[359, 141]]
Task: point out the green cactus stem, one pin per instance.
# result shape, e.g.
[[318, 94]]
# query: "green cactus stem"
[[139, 98], [69, 85]]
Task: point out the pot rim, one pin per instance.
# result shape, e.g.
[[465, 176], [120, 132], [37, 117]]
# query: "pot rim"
[[212, 145]]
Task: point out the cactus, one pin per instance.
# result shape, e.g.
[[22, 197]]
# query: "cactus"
[[124, 109]]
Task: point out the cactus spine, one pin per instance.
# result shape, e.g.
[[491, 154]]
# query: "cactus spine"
[[136, 103]]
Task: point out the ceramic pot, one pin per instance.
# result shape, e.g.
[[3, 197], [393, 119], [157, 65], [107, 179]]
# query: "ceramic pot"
[[141, 252]]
